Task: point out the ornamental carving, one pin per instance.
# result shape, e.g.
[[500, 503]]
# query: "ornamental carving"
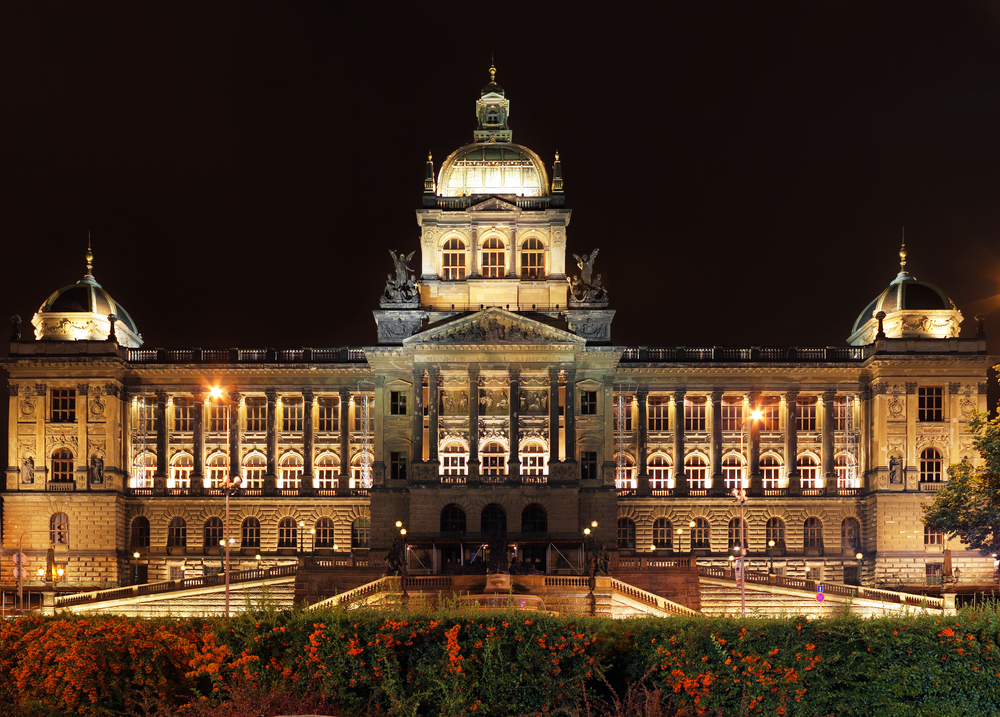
[[930, 440], [966, 406], [954, 387], [27, 408], [895, 408], [534, 401], [494, 402], [61, 440], [82, 389], [97, 407], [495, 326], [586, 288], [494, 432], [911, 387], [111, 389], [400, 289], [880, 388], [41, 389], [982, 388], [896, 446], [454, 402], [12, 389]]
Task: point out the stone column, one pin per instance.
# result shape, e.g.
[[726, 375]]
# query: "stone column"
[[792, 442], [160, 477], [234, 433], [343, 478], [512, 265], [474, 254], [473, 425], [718, 484], [756, 482], [198, 438], [433, 406], [570, 414], [418, 415], [829, 474], [513, 416], [642, 440], [270, 481], [553, 415], [305, 485], [680, 478]]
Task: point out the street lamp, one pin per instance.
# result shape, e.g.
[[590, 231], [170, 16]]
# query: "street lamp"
[[740, 496], [302, 536], [770, 552], [312, 540], [229, 486], [257, 558], [135, 558]]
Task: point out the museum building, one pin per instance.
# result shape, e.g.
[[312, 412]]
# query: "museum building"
[[493, 399]]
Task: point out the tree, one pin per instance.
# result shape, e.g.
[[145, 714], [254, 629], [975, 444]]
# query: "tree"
[[968, 506]]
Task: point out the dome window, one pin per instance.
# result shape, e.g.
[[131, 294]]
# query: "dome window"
[[453, 260], [494, 258], [532, 259]]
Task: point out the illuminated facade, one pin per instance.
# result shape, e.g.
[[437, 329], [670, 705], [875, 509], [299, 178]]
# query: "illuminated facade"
[[493, 396]]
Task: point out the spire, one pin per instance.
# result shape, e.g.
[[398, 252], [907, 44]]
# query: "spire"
[[90, 259], [902, 256], [429, 184], [557, 178], [492, 109]]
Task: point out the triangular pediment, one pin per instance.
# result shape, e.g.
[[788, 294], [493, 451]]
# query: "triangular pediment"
[[494, 326], [494, 204]]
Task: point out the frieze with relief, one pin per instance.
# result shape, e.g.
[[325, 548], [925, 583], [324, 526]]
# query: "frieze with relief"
[[966, 406], [493, 326], [26, 409], [494, 401], [61, 440], [535, 401], [897, 408], [455, 401], [97, 407]]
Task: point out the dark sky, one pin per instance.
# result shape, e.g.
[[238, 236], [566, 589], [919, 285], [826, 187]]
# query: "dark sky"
[[745, 168]]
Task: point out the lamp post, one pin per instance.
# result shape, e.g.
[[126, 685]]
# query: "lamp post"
[[770, 552], [312, 541], [691, 528], [740, 496], [135, 564], [257, 558], [230, 486], [302, 536]]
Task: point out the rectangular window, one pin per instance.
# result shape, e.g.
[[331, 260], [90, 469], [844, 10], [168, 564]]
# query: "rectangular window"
[[148, 412], [659, 413], [770, 408], [588, 465], [814, 574], [218, 417], [628, 413], [840, 408], [588, 403], [933, 536], [694, 414], [184, 415], [329, 414], [930, 404], [63, 405], [397, 403], [934, 573], [805, 419], [360, 407], [256, 415], [175, 572], [397, 465], [292, 415], [732, 414]]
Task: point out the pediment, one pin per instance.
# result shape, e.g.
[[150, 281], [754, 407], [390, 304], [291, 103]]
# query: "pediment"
[[495, 326], [494, 204]]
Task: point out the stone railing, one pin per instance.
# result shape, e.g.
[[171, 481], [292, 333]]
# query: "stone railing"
[[132, 591], [343, 354], [652, 599], [762, 354], [386, 584]]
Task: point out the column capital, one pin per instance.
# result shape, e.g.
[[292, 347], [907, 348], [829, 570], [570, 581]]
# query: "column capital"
[[514, 374], [199, 396], [271, 395], [752, 395], [344, 392], [717, 395], [554, 372], [308, 394], [642, 392], [791, 395], [679, 394], [433, 371], [474, 374], [161, 394], [235, 397], [829, 395]]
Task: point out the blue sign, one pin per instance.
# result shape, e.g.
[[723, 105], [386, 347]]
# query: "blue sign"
[[819, 588]]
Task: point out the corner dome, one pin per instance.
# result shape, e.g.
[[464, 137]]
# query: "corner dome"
[[79, 312], [913, 310], [493, 168]]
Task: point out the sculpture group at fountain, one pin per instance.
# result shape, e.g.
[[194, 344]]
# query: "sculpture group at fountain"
[[400, 289], [586, 288]]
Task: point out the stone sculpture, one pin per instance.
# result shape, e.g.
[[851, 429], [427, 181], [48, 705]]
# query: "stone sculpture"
[[401, 288], [586, 288]]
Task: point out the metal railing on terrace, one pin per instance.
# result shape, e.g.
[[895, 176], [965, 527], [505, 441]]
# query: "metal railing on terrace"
[[343, 354], [732, 354]]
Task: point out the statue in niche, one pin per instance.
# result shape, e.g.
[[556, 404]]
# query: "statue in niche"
[[96, 470], [28, 470], [896, 470], [401, 288], [586, 288]]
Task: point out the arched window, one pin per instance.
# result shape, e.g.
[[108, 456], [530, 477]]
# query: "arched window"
[[494, 264], [250, 533], [659, 474], [140, 532], [697, 472], [361, 471], [288, 533], [734, 534], [770, 469], [775, 530], [180, 472], [701, 535], [361, 530], [533, 460], [931, 465], [663, 534], [625, 473], [532, 259], [813, 533], [143, 470], [454, 461], [494, 459], [733, 473], [62, 466], [326, 472], [453, 260], [325, 537], [846, 474], [850, 534], [534, 519], [808, 472], [291, 472], [59, 529], [493, 520], [452, 519], [626, 534], [177, 533], [218, 469], [214, 533], [254, 466]]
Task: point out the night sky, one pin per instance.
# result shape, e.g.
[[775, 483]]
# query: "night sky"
[[746, 169]]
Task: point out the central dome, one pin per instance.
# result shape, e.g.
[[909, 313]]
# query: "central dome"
[[494, 168]]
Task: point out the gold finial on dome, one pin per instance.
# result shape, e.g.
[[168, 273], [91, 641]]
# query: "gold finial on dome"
[[90, 258], [430, 157], [493, 74], [902, 254]]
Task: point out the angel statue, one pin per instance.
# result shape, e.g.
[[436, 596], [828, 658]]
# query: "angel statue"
[[401, 288], [586, 288], [586, 265], [402, 268]]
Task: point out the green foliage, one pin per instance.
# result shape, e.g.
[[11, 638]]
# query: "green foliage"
[[968, 505]]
